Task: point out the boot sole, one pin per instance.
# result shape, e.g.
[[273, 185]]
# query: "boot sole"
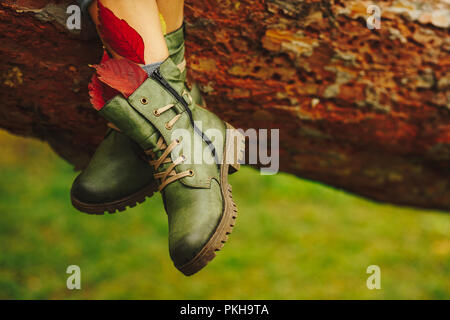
[[117, 205], [235, 146]]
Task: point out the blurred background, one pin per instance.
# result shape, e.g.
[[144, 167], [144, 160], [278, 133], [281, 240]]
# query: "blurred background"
[[294, 239]]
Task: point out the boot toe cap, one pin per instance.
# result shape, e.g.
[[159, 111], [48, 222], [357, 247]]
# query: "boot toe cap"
[[194, 223], [89, 191]]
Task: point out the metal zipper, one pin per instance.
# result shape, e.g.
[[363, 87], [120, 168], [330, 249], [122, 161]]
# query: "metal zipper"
[[156, 75]]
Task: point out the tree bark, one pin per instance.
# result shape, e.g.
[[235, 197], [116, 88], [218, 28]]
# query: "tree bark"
[[364, 110]]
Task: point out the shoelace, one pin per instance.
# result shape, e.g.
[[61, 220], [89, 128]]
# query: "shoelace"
[[169, 175]]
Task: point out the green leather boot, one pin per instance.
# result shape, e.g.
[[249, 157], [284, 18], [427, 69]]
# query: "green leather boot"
[[118, 174], [162, 118]]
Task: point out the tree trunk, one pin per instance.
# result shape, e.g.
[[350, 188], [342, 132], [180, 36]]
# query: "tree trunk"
[[364, 110]]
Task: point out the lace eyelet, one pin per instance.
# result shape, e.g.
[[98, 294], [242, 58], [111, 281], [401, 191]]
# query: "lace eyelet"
[[168, 127], [177, 141], [156, 113], [183, 157], [191, 173], [144, 100]]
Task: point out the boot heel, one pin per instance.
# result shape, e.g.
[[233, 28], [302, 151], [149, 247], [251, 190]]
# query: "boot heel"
[[235, 149]]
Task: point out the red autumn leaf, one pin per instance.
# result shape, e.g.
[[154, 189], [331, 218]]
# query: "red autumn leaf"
[[121, 75], [120, 36], [99, 92], [109, 93], [96, 93], [105, 57]]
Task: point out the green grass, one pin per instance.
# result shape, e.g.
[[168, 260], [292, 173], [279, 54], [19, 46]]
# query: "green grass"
[[293, 240]]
